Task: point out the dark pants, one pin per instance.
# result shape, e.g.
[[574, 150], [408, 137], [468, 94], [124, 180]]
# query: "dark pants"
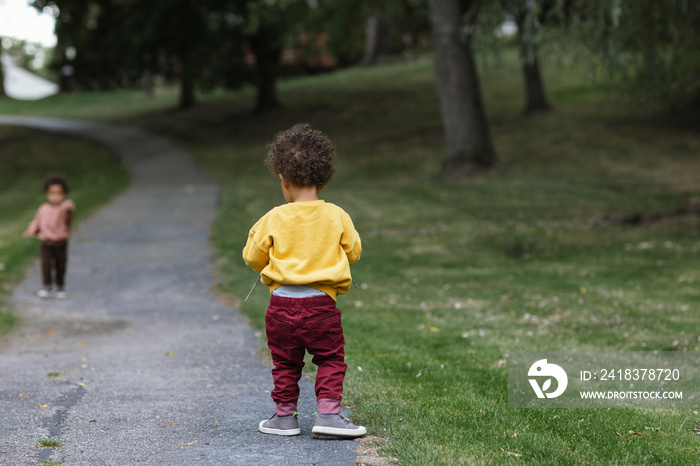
[[54, 257], [294, 325]]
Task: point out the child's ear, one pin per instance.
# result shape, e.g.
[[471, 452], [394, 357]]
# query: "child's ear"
[[282, 180]]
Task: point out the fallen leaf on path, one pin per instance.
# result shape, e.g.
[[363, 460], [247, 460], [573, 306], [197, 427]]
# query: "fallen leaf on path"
[[51, 332], [81, 384], [93, 420], [21, 395], [3, 380], [170, 353], [186, 444], [80, 343], [42, 406], [170, 422]]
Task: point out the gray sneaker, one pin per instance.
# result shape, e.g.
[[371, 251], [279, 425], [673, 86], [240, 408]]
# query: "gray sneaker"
[[281, 425], [44, 293], [60, 293], [337, 425]]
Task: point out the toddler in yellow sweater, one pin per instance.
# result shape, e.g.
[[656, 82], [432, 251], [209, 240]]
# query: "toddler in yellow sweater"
[[303, 251]]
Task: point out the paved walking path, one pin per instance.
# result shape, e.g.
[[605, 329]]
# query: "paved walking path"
[[151, 367]]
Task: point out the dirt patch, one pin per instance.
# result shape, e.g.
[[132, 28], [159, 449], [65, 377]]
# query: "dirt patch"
[[686, 209], [367, 453]]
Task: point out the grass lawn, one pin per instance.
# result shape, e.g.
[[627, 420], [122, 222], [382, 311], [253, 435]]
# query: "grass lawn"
[[456, 274], [27, 157]]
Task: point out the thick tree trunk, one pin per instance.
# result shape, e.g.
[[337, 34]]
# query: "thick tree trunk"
[[535, 97], [267, 54], [466, 128]]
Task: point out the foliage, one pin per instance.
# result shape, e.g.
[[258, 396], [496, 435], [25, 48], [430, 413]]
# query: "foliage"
[[110, 44], [651, 47], [345, 24]]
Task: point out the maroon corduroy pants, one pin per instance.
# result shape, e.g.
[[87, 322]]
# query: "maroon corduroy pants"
[[294, 325]]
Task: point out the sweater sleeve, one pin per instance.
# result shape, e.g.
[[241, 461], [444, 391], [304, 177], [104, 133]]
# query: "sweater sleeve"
[[33, 227], [256, 252], [70, 209], [350, 241]]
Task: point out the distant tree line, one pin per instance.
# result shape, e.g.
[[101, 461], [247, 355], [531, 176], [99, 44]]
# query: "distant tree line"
[[651, 47], [203, 44]]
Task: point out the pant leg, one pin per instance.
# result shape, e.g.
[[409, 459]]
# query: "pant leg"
[[46, 260], [60, 262], [287, 354], [327, 345]]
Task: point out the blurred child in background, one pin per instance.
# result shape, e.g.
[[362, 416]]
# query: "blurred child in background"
[[51, 225]]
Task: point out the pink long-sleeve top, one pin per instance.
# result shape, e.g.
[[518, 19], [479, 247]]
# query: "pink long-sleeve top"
[[52, 222]]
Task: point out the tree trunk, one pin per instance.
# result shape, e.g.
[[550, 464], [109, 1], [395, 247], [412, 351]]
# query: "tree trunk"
[[466, 128], [2, 80], [147, 83], [535, 98], [187, 97], [267, 54], [375, 38]]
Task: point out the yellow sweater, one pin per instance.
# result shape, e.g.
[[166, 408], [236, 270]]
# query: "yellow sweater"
[[311, 243]]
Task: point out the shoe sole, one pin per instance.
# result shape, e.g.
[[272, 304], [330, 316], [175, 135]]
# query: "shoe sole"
[[285, 432], [337, 432]]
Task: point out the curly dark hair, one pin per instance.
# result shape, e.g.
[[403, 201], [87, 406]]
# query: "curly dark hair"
[[56, 179], [302, 155]]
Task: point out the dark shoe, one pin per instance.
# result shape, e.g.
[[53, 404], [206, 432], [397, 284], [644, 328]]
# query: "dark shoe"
[[281, 425], [337, 425]]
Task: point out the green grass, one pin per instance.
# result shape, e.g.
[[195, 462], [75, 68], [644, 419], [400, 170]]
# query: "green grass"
[[27, 157], [458, 273], [49, 442]]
